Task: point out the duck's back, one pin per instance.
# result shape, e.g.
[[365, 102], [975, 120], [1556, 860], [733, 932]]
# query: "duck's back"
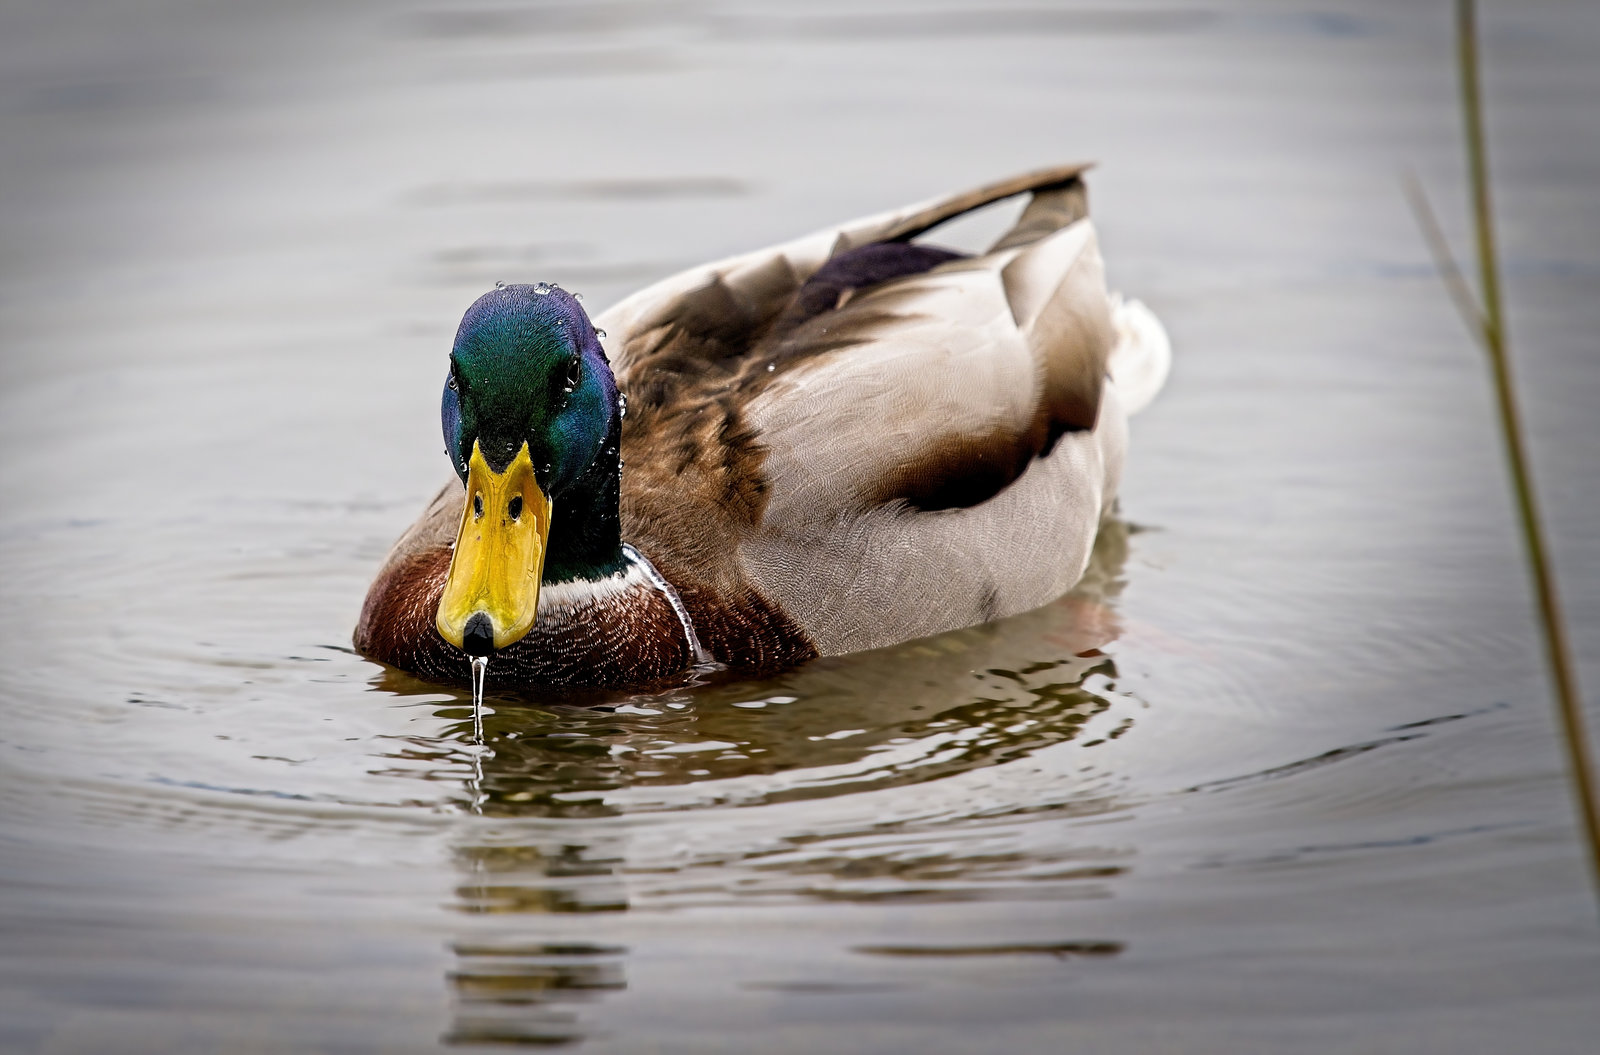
[[871, 440]]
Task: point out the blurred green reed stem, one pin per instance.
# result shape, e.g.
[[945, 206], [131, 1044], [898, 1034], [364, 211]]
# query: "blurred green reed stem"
[[1488, 323]]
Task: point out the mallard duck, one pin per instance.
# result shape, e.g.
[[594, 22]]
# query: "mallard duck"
[[834, 444]]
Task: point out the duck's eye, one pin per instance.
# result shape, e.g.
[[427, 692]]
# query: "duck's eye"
[[514, 507], [574, 373], [477, 506]]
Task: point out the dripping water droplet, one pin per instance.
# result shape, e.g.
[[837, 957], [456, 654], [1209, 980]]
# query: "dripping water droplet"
[[480, 669]]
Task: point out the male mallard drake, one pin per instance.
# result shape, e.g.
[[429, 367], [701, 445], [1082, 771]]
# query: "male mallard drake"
[[834, 444]]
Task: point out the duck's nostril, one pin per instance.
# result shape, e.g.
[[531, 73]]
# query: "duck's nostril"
[[477, 637]]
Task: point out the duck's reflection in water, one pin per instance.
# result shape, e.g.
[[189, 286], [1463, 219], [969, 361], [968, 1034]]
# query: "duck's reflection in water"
[[912, 713], [511, 989], [534, 872]]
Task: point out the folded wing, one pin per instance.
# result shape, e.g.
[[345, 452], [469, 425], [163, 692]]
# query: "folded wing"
[[883, 438]]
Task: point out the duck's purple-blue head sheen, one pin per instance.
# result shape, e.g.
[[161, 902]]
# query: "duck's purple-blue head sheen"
[[532, 426], [527, 366]]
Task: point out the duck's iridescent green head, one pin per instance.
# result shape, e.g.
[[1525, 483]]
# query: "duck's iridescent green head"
[[531, 424]]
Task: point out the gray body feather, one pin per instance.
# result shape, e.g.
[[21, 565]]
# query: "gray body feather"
[[935, 451]]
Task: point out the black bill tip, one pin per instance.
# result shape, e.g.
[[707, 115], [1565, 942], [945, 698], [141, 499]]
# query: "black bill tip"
[[477, 637]]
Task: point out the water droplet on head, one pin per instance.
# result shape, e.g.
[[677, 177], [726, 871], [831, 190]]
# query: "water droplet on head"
[[541, 288], [499, 285], [771, 367], [577, 296], [598, 332], [547, 466]]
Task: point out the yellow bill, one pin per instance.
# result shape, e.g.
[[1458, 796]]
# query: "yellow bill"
[[492, 594]]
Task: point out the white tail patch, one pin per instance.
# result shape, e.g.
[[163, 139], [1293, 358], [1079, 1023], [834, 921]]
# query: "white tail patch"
[[1142, 356]]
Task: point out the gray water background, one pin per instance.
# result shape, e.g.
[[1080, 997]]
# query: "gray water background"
[[1308, 798]]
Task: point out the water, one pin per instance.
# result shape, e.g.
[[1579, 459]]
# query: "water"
[[480, 670], [1280, 777]]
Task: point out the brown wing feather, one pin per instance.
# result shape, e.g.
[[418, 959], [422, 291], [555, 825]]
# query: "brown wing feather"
[[691, 355], [761, 429], [920, 219]]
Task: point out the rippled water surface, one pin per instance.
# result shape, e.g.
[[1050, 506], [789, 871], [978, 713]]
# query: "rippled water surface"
[[1280, 776]]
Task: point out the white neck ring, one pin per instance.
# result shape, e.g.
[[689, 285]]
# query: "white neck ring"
[[702, 658]]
